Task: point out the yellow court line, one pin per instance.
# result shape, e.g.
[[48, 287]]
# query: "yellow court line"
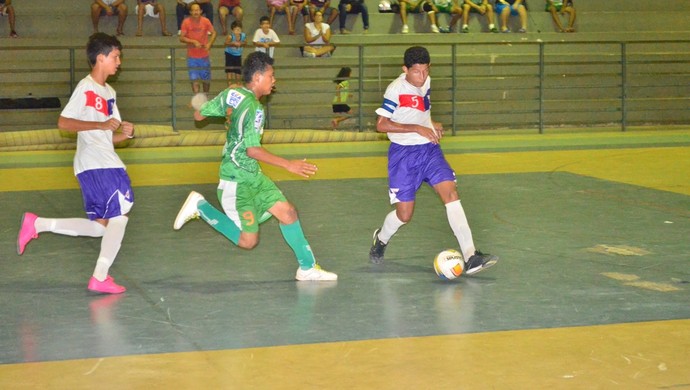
[[621, 356], [658, 168]]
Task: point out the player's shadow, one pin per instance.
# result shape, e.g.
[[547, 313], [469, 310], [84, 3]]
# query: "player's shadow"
[[214, 287], [391, 266]]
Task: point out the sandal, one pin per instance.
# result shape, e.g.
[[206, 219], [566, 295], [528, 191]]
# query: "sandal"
[[13, 34], [166, 33], [140, 33]]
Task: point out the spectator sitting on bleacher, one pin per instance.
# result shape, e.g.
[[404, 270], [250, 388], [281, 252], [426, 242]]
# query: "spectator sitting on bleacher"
[[449, 7], [299, 7], [505, 8], [323, 6], [417, 7], [556, 7], [183, 7], [109, 8], [353, 7], [6, 8], [153, 9], [317, 36], [227, 7], [481, 7], [280, 7]]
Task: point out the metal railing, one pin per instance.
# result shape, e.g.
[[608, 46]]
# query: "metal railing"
[[476, 86]]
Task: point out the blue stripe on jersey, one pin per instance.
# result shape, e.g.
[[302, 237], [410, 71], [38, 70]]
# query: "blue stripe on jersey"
[[389, 105]]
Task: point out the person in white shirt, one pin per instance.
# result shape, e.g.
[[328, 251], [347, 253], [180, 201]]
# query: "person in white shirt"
[[415, 157], [317, 36], [106, 189], [265, 39]]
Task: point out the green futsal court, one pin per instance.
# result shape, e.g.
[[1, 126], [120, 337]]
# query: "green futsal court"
[[592, 289]]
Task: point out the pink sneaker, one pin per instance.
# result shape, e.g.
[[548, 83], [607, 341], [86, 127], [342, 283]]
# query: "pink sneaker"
[[27, 231], [108, 286]]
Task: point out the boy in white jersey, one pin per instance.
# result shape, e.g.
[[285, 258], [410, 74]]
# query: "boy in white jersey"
[[106, 189], [415, 157], [249, 197]]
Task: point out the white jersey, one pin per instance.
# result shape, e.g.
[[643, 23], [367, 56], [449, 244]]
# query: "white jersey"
[[406, 104], [259, 36], [91, 101]]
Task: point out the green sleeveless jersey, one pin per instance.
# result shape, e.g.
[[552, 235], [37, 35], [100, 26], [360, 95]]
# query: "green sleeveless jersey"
[[245, 126]]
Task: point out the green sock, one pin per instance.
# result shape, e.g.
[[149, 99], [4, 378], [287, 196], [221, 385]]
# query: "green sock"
[[294, 236], [219, 221]]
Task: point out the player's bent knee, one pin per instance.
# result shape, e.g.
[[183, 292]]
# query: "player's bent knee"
[[404, 216], [284, 212], [248, 240]]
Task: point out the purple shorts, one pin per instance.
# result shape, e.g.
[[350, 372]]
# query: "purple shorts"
[[411, 165], [107, 193]]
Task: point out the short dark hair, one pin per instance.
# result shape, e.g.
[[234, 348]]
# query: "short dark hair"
[[417, 55], [256, 62], [101, 43], [264, 19], [234, 24]]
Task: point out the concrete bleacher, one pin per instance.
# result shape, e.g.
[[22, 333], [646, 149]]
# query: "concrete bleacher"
[[50, 20], [494, 67]]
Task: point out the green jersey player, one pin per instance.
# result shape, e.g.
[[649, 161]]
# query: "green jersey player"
[[247, 196]]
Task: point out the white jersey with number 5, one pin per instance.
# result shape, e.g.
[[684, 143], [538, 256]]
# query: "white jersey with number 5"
[[406, 104]]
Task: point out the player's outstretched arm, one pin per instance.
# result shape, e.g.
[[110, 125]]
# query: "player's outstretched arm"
[[298, 167]]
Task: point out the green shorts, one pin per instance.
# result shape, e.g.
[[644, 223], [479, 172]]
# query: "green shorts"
[[414, 6], [446, 9], [558, 7], [246, 202]]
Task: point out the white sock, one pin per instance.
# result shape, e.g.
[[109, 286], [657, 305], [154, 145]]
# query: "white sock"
[[110, 245], [466, 26], [491, 26], [461, 229], [70, 227], [391, 224]]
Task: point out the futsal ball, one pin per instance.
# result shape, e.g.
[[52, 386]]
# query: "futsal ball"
[[198, 100], [449, 264], [385, 6]]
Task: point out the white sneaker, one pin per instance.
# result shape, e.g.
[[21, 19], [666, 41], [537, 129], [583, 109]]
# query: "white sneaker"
[[315, 274], [434, 28], [189, 210], [405, 29]]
